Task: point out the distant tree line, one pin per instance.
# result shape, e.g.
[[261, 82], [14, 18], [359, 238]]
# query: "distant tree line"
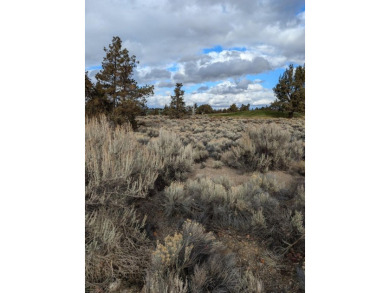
[[118, 96]]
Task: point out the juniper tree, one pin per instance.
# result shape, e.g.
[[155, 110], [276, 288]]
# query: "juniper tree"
[[233, 108], [96, 102], [177, 108], [116, 78], [244, 107], [204, 109], [290, 91]]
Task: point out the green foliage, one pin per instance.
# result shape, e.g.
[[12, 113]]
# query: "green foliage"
[[261, 113], [244, 107], [126, 113], [204, 109], [89, 88], [290, 91], [177, 108], [117, 87], [165, 111], [233, 108], [154, 111], [96, 103]]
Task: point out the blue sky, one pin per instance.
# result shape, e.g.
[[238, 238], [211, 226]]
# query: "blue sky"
[[224, 51], [218, 49]]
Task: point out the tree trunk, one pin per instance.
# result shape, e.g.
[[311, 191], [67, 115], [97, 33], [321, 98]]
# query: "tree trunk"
[[290, 114]]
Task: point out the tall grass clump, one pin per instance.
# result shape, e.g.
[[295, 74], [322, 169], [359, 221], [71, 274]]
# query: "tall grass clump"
[[116, 163], [177, 159], [194, 261], [263, 148], [115, 247], [200, 152]]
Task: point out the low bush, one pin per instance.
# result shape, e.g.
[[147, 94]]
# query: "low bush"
[[216, 147], [263, 148], [115, 247], [193, 261], [217, 164], [123, 163], [218, 204], [177, 159], [116, 162], [175, 199], [249, 208], [200, 152]]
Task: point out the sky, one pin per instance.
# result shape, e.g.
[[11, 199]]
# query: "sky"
[[223, 51]]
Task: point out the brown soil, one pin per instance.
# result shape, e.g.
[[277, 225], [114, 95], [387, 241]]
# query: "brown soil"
[[236, 177]]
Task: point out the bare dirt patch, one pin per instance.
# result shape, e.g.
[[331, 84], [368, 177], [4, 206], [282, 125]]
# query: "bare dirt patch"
[[206, 170]]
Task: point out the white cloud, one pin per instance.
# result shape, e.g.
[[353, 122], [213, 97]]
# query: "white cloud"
[[161, 32], [159, 101], [222, 95], [165, 32], [226, 93]]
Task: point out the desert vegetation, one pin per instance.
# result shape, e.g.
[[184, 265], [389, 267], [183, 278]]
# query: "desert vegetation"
[[183, 199], [203, 204]]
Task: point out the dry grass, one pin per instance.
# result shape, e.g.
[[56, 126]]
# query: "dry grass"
[[268, 147], [115, 247], [116, 162], [177, 158], [222, 205], [122, 163], [200, 169]]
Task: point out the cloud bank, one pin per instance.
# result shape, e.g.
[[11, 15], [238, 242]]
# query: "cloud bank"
[[200, 41]]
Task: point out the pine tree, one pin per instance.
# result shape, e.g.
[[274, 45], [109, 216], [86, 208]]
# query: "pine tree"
[[96, 102], [89, 88], [177, 107], [165, 111], [244, 107], [233, 108], [290, 91], [116, 78]]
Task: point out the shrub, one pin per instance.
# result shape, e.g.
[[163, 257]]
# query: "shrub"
[[115, 247], [177, 159], [217, 146], [193, 261], [176, 199], [217, 164], [116, 163], [223, 180], [248, 208], [263, 148], [200, 152], [209, 202], [297, 222]]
